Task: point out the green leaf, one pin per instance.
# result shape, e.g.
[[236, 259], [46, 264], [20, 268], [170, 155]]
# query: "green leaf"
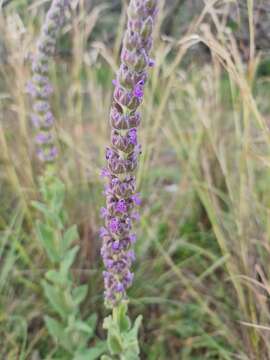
[[92, 321], [105, 357], [115, 343], [56, 278], [46, 236], [108, 323], [56, 299], [81, 326], [57, 331], [131, 355], [92, 354], [79, 294], [58, 196], [69, 236], [50, 215], [136, 326], [122, 318], [130, 340], [68, 260], [40, 207]]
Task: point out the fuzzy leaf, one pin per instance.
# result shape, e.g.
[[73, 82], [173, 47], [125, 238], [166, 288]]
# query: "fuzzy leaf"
[[57, 331], [55, 299], [136, 326], [114, 343], [92, 321], [40, 207], [108, 323], [68, 260], [92, 354], [81, 326], [79, 294], [132, 355], [122, 318], [46, 236], [48, 213], [56, 277], [69, 236], [56, 195], [130, 340]]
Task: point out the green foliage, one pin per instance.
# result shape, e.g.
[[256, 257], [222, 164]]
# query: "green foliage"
[[68, 330], [122, 336]]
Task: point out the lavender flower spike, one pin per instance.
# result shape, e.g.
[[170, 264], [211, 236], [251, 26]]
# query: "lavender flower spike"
[[39, 87], [123, 153]]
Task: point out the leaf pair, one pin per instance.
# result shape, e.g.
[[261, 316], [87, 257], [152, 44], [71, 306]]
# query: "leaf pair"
[[122, 336]]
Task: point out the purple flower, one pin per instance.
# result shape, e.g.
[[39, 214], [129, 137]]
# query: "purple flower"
[[104, 173], [115, 245], [41, 107], [151, 63], [31, 89], [132, 135], [132, 238], [43, 138], [114, 225], [120, 288], [131, 255], [121, 206], [123, 153], [138, 91], [47, 154], [136, 199], [135, 216], [103, 232], [103, 212]]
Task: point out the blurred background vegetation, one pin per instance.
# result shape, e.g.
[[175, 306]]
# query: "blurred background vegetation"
[[202, 272]]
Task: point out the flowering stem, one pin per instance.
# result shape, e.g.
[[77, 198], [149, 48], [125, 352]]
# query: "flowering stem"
[[122, 158]]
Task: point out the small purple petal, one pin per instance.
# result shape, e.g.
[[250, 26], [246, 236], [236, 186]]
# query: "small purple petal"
[[116, 245], [132, 135], [120, 288], [151, 63], [133, 238], [135, 216], [103, 212], [121, 206], [114, 225], [138, 91], [104, 173], [30, 89], [103, 232], [136, 199]]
